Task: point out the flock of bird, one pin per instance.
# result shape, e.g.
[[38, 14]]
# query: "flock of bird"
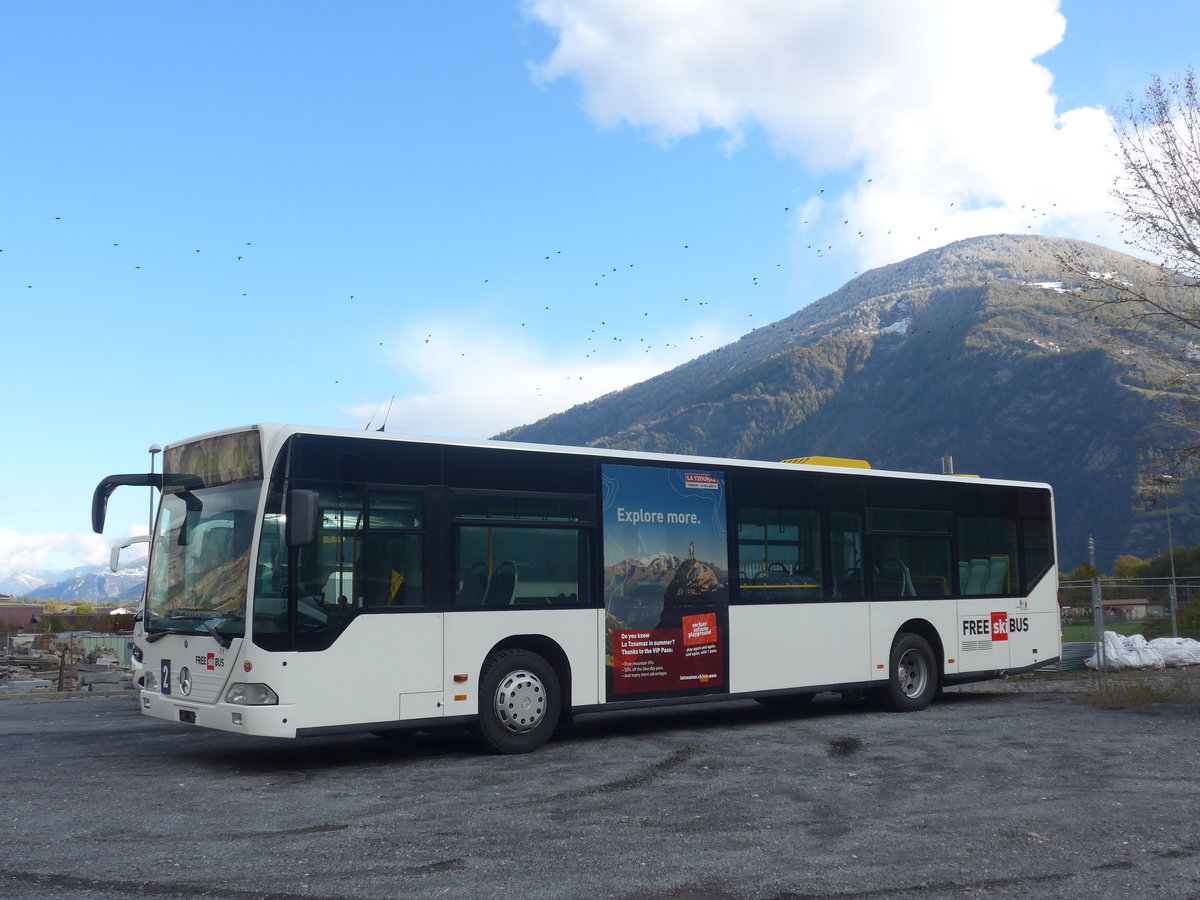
[[603, 329]]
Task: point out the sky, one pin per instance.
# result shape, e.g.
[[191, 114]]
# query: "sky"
[[469, 215]]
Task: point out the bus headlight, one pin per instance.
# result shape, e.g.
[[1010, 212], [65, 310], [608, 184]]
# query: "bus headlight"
[[251, 694], [151, 680]]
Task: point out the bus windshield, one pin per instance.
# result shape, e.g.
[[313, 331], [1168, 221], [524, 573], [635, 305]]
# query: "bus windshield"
[[200, 564]]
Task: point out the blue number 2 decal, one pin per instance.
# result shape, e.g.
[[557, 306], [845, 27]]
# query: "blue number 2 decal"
[[165, 675]]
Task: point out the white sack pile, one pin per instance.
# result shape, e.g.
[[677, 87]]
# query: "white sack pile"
[[1135, 652]]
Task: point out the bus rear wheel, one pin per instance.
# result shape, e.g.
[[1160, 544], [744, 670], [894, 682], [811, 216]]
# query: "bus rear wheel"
[[912, 675], [519, 702]]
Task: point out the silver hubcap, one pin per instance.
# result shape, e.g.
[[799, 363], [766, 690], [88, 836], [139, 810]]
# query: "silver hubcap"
[[521, 701], [912, 672]]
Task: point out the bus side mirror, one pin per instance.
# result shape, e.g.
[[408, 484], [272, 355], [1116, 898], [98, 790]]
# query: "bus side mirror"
[[302, 516], [115, 555]]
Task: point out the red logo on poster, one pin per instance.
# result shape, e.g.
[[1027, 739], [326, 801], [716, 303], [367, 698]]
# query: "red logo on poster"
[[701, 480], [999, 626], [700, 629]]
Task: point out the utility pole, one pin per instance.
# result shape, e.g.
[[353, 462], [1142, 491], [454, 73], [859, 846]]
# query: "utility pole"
[[1174, 593]]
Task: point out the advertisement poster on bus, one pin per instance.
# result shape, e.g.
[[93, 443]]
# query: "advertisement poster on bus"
[[666, 581]]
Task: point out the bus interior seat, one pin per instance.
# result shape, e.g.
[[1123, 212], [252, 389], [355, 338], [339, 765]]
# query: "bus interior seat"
[[474, 586], [893, 580], [977, 577], [997, 579], [502, 586]]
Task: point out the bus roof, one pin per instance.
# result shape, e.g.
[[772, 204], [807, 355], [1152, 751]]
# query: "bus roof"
[[274, 435]]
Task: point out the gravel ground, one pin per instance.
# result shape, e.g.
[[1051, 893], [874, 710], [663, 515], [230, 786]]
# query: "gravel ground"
[[1004, 789]]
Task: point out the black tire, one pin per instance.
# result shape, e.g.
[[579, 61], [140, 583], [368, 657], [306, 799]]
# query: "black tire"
[[912, 675], [785, 701], [519, 702]]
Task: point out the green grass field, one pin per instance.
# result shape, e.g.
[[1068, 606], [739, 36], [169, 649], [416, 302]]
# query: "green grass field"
[[1150, 628], [1073, 633]]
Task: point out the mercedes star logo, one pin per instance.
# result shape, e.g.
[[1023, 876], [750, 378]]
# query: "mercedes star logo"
[[185, 680]]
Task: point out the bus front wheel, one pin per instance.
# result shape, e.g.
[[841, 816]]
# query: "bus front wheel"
[[519, 702], [912, 675]]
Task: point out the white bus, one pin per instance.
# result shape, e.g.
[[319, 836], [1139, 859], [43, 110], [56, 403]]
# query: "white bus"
[[306, 581]]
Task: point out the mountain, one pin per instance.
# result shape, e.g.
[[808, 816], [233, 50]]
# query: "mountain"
[[20, 583], [975, 350], [90, 583]]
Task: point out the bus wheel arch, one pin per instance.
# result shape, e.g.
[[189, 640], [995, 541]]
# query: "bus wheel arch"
[[547, 648], [914, 668], [521, 695]]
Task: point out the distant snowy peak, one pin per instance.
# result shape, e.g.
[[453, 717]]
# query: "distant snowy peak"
[[18, 583]]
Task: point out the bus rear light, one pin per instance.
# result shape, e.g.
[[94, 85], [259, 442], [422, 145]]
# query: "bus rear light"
[[461, 679], [460, 696], [251, 694]]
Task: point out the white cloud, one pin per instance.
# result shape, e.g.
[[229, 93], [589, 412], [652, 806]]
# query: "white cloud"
[[500, 379], [938, 106], [38, 552]]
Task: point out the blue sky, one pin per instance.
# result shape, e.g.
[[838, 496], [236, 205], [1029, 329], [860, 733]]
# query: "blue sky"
[[223, 213]]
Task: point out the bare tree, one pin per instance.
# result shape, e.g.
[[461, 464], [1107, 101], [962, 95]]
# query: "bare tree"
[[1158, 142], [1157, 308], [1159, 189]]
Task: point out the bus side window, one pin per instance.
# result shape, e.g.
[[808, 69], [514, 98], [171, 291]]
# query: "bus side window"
[[779, 555], [987, 544], [909, 553], [391, 573], [846, 554], [520, 567]]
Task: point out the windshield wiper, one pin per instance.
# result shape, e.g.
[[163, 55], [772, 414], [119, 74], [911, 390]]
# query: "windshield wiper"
[[223, 639]]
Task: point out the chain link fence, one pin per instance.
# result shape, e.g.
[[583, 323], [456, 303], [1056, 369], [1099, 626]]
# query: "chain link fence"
[[1151, 607], [1132, 606]]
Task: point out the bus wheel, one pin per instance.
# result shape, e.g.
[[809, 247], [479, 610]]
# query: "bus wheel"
[[912, 675], [519, 702]]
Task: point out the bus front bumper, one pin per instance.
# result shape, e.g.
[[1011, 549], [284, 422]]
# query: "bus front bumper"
[[276, 720]]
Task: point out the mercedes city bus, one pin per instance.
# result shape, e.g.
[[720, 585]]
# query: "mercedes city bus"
[[306, 581]]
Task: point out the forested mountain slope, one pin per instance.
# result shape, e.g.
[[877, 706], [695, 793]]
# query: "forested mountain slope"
[[975, 350]]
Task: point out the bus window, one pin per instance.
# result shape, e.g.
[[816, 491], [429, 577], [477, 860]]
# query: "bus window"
[[1003, 540], [846, 555], [520, 551], [368, 555], [909, 553], [509, 567], [1039, 551], [389, 563], [987, 556], [779, 555]]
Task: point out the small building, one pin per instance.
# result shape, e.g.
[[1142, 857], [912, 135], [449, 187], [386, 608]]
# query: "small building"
[[1126, 609], [17, 615]]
